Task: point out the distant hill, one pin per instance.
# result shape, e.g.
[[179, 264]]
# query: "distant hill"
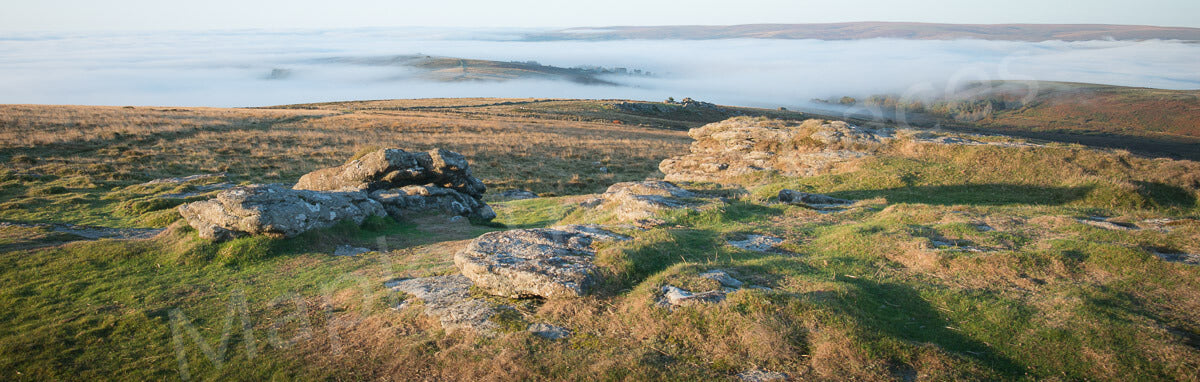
[[453, 69], [866, 30]]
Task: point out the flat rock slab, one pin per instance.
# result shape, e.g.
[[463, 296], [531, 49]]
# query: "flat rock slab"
[[448, 299], [758, 243], [553, 262], [1104, 223], [275, 209]]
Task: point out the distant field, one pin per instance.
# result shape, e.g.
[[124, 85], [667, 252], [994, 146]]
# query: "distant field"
[[865, 30]]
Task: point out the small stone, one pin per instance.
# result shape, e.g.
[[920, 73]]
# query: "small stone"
[[722, 277], [673, 296], [547, 331]]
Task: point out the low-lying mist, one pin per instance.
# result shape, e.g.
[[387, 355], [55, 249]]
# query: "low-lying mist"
[[258, 68]]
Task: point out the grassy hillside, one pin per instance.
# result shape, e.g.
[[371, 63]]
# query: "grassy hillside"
[[958, 261], [1150, 120]]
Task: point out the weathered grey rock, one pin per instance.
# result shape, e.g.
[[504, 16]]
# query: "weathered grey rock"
[[744, 145], [673, 296], [812, 200], [723, 278], [548, 331], [642, 200], [448, 299], [429, 198], [1172, 256], [275, 209], [349, 250], [545, 262], [395, 168], [516, 195], [757, 243], [760, 375], [408, 182], [1104, 223], [839, 133]]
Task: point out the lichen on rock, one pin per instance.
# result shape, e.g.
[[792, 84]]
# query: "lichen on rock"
[[552, 262]]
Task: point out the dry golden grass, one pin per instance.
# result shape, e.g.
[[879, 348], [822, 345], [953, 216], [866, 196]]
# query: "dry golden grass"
[[278, 145]]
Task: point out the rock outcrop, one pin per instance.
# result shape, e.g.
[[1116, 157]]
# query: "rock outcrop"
[[385, 182], [395, 168], [745, 145], [421, 199], [543, 262], [276, 210], [635, 201]]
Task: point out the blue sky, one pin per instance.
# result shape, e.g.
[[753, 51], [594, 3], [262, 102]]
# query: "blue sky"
[[85, 15]]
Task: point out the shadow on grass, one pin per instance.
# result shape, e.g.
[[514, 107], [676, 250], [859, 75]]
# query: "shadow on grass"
[[900, 312], [995, 194], [1165, 195]]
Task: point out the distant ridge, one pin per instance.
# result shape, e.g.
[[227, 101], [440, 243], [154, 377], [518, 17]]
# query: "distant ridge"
[[866, 30]]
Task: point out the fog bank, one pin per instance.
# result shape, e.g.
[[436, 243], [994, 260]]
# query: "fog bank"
[[234, 68]]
